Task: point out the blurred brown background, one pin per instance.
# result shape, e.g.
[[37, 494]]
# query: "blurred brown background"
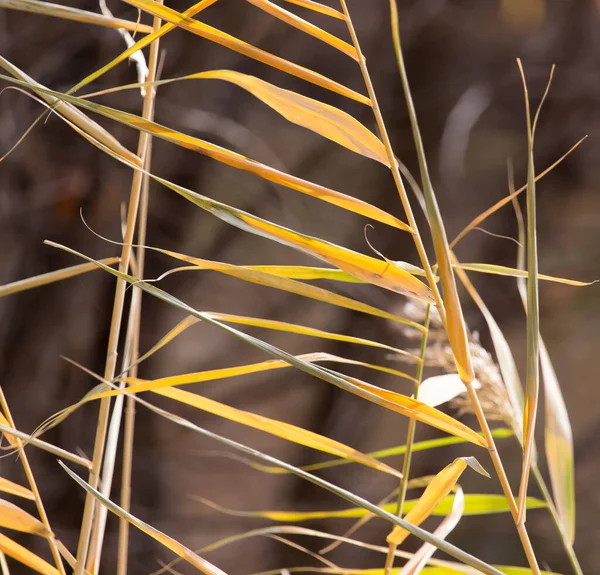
[[461, 62]]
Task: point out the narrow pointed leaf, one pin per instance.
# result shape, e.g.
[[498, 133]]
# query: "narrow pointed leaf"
[[237, 45], [475, 504], [318, 7], [391, 400], [516, 273], [170, 543], [559, 445], [305, 27], [69, 13], [437, 490], [13, 517], [51, 277], [26, 557]]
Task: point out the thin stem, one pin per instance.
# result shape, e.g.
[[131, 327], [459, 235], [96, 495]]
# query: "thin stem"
[[410, 438], [33, 486], [412, 423], [90, 522]]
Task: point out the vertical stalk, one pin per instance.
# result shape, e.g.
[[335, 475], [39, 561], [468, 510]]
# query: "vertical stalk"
[[33, 486], [89, 520], [129, 430]]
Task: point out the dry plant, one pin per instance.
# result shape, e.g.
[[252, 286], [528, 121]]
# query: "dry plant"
[[433, 314]]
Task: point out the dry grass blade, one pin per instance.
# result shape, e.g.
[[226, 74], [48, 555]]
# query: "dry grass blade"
[[9, 432], [8, 486], [516, 273], [224, 39], [71, 113], [317, 7], [26, 557], [475, 504], [51, 277], [170, 543], [305, 26], [13, 517], [76, 14], [484, 215], [394, 401], [292, 286]]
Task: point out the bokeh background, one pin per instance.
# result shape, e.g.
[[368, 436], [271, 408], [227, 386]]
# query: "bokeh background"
[[461, 58]]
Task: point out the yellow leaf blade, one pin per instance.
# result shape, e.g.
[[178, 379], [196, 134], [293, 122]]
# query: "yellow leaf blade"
[[317, 7], [26, 557], [305, 27], [440, 487], [76, 14], [15, 489], [328, 121], [224, 39], [13, 517]]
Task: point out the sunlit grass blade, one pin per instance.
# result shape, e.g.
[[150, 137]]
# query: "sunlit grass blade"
[[500, 433], [323, 119], [532, 377], [419, 560], [222, 155], [170, 543], [499, 204], [70, 112], [434, 493], [237, 45], [13, 488], [274, 427], [371, 270], [305, 26], [318, 7], [516, 273], [291, 286], [559, 445], [51, 277], [26, 557], [475, 504], [13, 517], [76, 14], [391, 400]]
